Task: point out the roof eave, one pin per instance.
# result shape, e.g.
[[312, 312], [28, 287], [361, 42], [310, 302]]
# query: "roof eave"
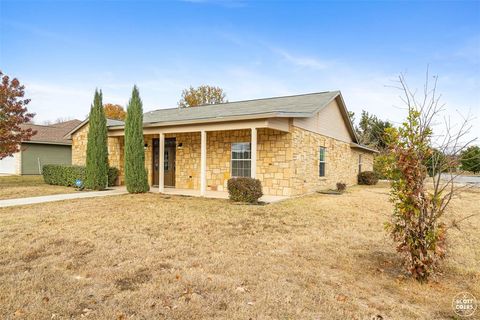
[[68, 136], [47, 142], [347, 118], [359, 146], [223, 119]]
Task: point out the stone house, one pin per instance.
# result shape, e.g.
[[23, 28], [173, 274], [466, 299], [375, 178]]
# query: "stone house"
[[294, 145]]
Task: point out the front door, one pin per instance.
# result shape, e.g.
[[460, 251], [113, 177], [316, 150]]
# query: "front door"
[[169, 162]]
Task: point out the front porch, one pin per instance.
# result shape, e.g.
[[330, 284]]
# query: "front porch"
[[199, 160]]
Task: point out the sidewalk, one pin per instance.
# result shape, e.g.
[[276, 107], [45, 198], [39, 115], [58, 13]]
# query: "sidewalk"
[[60, 197]]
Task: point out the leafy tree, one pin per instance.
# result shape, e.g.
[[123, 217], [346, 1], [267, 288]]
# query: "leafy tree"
[[371, 131], [114, 111], [96, 172], [415, 224], [351, 116], [382, 165], [13, 113], [135, 173], [204, 94], [470, 159]]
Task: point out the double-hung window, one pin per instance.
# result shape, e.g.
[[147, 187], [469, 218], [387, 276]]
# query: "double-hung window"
[[359, 163], [322, 162], [241, 159]]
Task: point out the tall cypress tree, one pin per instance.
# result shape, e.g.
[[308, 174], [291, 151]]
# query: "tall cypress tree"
[[96, 173], [135, 173]]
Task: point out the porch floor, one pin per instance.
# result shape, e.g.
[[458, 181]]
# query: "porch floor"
[[212, 194]]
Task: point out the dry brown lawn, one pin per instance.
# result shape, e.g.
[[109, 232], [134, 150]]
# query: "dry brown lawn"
[[154, 257], [28, 186]]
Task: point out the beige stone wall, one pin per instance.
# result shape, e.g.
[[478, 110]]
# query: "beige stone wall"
[[274, 161], [115, 151], [341, 162], [187, 165], [148, 139], [79, 146], [116, 156]]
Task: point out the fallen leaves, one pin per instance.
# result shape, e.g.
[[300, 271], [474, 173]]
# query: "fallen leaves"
[[341, 298]]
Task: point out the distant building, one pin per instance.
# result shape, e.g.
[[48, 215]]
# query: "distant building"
[[48, 146]]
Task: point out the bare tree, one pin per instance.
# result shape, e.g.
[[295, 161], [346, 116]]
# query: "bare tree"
[[416, 224], [56, 121]]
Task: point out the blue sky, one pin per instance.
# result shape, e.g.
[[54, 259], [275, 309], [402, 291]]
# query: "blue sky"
[[63, 50]]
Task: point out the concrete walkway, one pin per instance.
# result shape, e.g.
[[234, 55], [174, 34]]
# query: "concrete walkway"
[[60, 197], [122, 190]]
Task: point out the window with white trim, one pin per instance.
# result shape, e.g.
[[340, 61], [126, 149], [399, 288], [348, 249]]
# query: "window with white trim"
[[322, 162], [359, 163], [241, 159]]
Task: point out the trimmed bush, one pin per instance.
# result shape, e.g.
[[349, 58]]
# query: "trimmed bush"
[[341, 186], [63, 175], [244, 189], [367, 178], [113, 174]]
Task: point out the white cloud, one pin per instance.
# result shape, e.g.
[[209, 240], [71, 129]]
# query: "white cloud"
[[303, 61], [53, 101]]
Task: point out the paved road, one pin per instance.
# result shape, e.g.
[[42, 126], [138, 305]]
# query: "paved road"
[[475, 180], [60, 197]]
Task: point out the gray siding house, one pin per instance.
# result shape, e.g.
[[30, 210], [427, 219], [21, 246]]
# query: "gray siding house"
[[47, 146]]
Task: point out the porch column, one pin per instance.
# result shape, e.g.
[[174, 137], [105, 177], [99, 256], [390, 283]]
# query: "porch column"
[[253, 170], [161, 163], [203, 163]]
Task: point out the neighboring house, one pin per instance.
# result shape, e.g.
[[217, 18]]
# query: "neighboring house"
[[48, 146], [293, 144]]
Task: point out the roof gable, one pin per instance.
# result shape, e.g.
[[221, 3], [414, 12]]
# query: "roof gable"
[[110, 123], [330, 120]]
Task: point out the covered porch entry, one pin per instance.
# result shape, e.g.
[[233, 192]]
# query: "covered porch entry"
[[198, 159], [202, 162]]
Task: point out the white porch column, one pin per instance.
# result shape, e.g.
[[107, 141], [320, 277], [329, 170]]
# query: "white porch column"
[[203, 163], [161, 163], [253, 170]]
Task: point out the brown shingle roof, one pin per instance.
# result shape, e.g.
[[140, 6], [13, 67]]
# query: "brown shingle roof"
[[52, 134], [70, 124]]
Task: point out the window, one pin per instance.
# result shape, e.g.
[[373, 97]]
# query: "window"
[[321, 163], [165, 162], [241, 159], [359, 163]]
